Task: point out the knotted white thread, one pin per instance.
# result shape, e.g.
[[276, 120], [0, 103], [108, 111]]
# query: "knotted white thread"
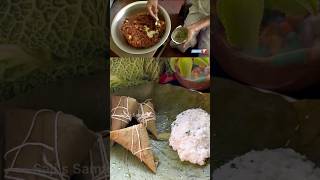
[[144, 117], [125, 116], [139, 142], [55, 173], [103, 154]]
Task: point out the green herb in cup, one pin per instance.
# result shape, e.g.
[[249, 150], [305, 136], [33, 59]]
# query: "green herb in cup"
[[180, 35]]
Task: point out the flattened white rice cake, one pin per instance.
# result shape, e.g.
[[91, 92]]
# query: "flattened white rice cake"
[[278, 164], [190, 136]]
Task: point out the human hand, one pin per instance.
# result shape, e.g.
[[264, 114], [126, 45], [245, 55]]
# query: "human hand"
[[152, 7], [191, 33], [194, 28]]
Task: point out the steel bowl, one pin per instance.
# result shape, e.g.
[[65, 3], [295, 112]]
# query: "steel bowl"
[[286, 72], [190, 84], [131, 9], [175, 31]]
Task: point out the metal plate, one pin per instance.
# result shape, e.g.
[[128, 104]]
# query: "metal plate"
[[128, 10]]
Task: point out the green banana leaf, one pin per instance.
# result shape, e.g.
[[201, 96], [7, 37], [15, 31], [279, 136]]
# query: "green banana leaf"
[[203, 61], [241, 20], [169, 101], [248, 119], [126, 72], [185, 66]]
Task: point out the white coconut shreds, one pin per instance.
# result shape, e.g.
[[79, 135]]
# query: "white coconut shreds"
[[278, 164], [190, 136]]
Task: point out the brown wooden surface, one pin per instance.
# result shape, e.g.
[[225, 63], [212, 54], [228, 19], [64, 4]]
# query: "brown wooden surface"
[[173, 8]]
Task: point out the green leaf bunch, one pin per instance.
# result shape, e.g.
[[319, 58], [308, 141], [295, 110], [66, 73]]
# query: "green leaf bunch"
[[242, 18]]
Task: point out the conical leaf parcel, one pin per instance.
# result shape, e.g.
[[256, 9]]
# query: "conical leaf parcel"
[[135, 139], [147, 116], [123, 109]]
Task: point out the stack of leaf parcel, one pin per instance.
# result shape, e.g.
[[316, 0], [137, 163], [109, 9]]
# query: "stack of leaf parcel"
[[134, 138]]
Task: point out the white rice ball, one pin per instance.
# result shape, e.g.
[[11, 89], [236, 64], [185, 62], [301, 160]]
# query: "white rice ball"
[[190, 136], [278, 164]]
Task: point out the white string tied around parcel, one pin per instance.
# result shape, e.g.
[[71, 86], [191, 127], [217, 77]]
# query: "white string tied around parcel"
[[54, 172]]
